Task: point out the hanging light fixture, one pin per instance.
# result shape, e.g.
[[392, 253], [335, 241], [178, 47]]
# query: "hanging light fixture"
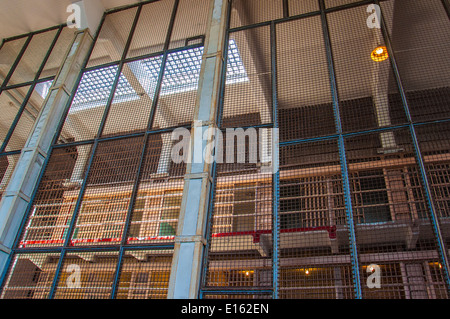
[[380, 54]]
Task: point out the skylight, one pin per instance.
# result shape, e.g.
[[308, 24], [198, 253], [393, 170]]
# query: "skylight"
[[181, 74]]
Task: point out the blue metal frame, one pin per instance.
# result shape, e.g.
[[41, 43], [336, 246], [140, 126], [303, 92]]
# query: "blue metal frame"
[[276, 174], [442, 250], [342, 155], [32, 83], [339, 137]]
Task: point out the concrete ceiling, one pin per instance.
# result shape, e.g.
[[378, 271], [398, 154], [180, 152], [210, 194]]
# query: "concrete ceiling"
[[23, 16]]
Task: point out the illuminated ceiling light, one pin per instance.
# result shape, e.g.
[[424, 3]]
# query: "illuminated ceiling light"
[[307, 272], [380, 54]]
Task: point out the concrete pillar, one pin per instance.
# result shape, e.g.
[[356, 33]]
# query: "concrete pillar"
[[17, 195], [190, 240]]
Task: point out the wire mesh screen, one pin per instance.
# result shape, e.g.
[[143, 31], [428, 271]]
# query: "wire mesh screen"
[[398, 251], [106, 199], [367, 90], [11, 102], [154, 218], [133, 99], [247, 12], [313, 249], [56, 57], [336, 3], [8, 55], [248, 93], [434, 144], [145, 274], [155, 17], [420, 35], [110, 173], [88, 106], [113, 37], [190, 23], [56, 196], [304, 95], [240, 243], [178, 88], [28, 116], [33, 57], [296, 7], [87, 275], [30, 276], [387, 188]]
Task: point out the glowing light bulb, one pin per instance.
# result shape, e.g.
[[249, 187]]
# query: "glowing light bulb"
[[379, 51], [379, 54], [307, 272]]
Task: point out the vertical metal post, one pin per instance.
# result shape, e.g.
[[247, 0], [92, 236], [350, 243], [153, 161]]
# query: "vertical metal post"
[[275, 163], [342, 155], [443, 252], [186, 269]]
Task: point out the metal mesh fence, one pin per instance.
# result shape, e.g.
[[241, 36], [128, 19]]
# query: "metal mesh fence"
[[110, 196], [352, 215], [357, 207], [418, 49], [86, 275], [28, 65], [112, 38], [31, 276], [145, 274], [33, 57]]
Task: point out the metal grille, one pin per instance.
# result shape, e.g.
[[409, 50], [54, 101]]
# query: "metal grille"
[[248, 12], [304, 95], [109, 198], [358, 207], [28, 65], [29, 113], [56, 197], [87, 275], [31, 276], [156, 17], [7, 165], [113, 37], [155, 213], [145, 274], [418, 50], [434, 144], [86, 112], [9, 52], [387, 189], [189, 29], [248, 102], [361, 198], [33, 57], [367, 92], [313, 224]]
